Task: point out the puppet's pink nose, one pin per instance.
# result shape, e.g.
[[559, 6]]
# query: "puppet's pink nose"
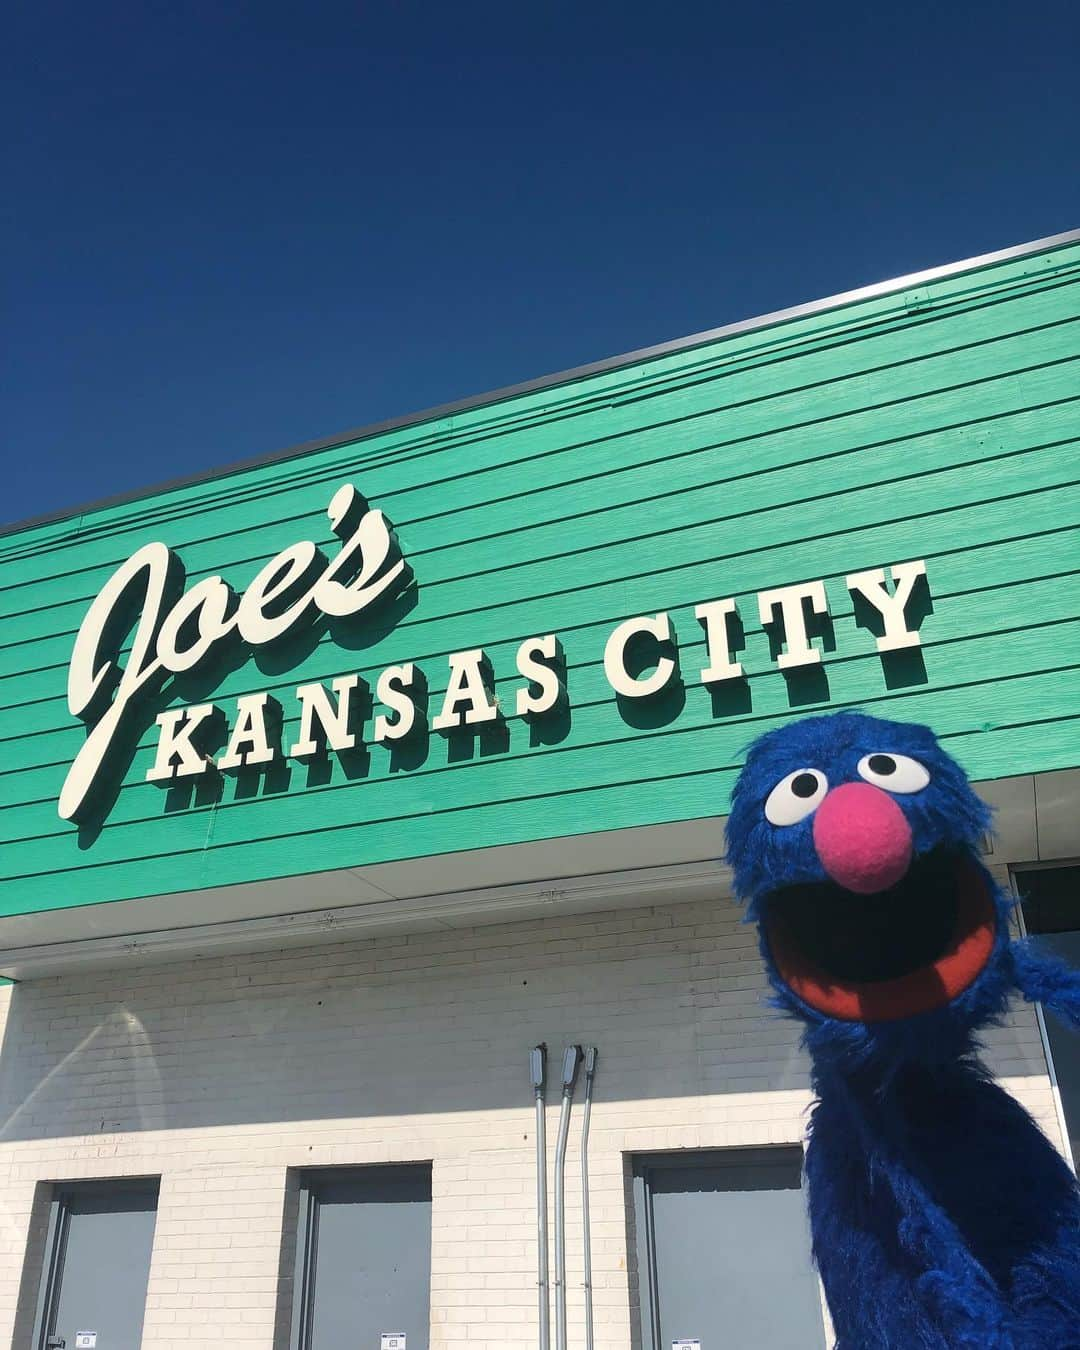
[[862, 838]]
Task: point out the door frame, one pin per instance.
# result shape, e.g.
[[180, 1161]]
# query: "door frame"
[[307, 1235], [642, 1164], [1016, 872], [62, 1193]]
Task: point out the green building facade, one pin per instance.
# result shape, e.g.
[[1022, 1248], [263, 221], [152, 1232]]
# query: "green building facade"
[[933, 421]]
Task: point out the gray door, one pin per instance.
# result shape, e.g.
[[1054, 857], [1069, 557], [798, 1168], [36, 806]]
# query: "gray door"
[[1051, 897], [99, 1263], [724, 1251], [366, 1255]]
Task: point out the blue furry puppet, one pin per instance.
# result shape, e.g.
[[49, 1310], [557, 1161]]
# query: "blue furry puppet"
[[941, 1215]]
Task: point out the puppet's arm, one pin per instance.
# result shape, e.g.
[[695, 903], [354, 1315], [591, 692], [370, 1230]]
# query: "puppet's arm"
[[1043, 978]]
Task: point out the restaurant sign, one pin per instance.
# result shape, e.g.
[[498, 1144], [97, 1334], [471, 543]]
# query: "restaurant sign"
[[177, 631]]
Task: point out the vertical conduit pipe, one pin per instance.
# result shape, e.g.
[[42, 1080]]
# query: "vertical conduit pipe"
[[590, 1070], [571, 1059], [538, 1072]]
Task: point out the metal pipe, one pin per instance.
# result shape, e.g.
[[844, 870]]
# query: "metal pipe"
[[590, 1070], [571, 1059], [538, 1072]]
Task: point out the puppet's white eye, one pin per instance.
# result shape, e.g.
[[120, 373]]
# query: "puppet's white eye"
[[894, 773], [795, 796]]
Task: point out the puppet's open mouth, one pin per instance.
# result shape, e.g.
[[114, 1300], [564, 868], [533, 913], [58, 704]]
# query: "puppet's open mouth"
[[893, 954]]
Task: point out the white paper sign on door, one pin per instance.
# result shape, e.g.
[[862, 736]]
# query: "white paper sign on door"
[[692, 1344], [86, 1340], [392, 1340]]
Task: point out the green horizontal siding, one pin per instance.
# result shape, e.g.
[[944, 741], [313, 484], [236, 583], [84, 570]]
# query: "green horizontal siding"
[[716, 523], [941, 423], [957, 619]]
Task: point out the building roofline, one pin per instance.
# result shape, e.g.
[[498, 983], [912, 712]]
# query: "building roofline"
[[561, 377]]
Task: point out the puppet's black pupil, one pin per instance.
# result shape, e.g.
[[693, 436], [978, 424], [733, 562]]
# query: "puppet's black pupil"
[[805, 784], [883, 764]]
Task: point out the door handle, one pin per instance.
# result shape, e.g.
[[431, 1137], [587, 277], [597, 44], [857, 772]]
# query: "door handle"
[[55, 1343]]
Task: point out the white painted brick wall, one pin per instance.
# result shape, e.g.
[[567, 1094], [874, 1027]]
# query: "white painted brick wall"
[[221, 1074]]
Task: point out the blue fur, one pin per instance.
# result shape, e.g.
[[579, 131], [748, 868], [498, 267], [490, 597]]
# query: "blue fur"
[[941, 1215]]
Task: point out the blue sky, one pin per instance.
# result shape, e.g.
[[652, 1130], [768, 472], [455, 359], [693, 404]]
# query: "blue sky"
[[232, 227]]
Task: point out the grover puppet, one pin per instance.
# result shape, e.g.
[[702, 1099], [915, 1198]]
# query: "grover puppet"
[[941, 1215]]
